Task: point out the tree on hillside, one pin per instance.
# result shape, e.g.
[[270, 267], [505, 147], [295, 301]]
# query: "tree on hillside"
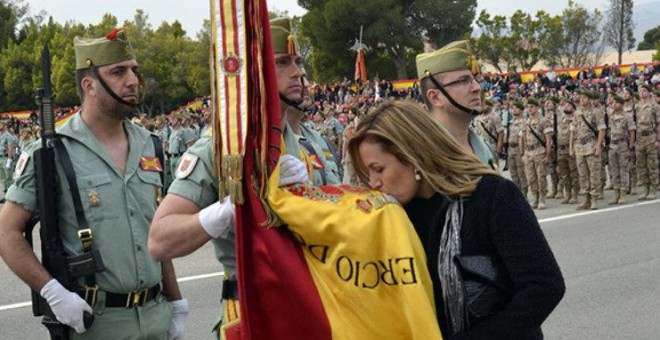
[[651, 37], [619, 26], [574, 40], [393, 29]]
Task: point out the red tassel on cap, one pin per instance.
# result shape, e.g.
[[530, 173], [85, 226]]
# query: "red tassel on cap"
[[291, 45], [113, 35]]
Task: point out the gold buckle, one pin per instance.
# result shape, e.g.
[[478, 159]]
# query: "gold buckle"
[[85, 236], [137, 298], [91, 293]]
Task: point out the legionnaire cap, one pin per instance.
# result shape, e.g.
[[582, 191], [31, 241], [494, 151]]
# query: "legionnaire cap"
[[111, 49], [618, 99], [555, 99], [26, 129], [519, 105], [647, 87], [282, 35], [489, 103], [656, 93], [532, 101], [452, 57]]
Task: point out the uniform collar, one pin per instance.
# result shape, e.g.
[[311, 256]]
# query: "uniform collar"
[[76, 129]]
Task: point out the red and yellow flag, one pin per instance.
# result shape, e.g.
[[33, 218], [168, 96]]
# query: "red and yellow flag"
[[278, 298]]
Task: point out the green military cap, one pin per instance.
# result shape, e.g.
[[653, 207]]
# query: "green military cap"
[[282, 36], [656, 93], [519, 105], [489, 102], [26, 129], [555, 99], [111, 49], [570, 102], [647, 87], [532, 101], [453, 57], [618, 99]]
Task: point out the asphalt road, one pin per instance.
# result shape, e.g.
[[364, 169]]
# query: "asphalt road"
[[610, 259]]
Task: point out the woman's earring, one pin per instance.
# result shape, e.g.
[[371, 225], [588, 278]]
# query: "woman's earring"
[[418, 176]]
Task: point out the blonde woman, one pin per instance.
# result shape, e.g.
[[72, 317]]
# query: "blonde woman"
[[461, 210]]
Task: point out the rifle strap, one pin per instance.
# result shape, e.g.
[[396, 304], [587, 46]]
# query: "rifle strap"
[[488, 132], [84, 231], [590, 126], [158, 149], [536, 135]]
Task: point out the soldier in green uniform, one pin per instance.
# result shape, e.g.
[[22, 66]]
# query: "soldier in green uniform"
[[118, 175], [630, 108], [647, 143], [622, 143], [535, 145], [453, 95], [188, 216], [587, 147], [176, 144], [8, 144]]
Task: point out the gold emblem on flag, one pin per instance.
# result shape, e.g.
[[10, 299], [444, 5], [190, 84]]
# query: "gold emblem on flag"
[[231, 65]]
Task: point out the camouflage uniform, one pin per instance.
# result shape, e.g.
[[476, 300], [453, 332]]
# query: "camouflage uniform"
[[553, 170], [514, 157], [585, 143], [488, 126], [535, 157], [567, 167], [648, 119], [619, 153], [630, 109]]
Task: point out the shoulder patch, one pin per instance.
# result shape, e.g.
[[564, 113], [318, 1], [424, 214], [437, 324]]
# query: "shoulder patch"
[[20, 165], [186, 165]]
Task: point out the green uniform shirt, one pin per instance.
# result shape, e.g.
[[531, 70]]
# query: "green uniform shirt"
[[329, 165], [481, 149], [6, 139], [177, 144], [119, 209], [200, 186]]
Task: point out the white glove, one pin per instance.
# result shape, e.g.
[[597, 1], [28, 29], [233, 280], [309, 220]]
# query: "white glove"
[[292, 171], [218, 218], [67, 306], [177, 329], [8, 163]]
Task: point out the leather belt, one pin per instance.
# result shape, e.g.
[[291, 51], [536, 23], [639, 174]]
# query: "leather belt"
[[230, 289], [133, 299]]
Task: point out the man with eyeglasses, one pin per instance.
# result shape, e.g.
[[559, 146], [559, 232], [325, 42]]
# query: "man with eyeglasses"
[[453, 95]]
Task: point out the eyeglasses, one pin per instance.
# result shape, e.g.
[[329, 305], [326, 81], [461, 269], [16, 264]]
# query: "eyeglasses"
[[462, 81]]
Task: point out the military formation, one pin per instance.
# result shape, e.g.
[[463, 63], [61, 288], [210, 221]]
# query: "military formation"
[[583, 143]]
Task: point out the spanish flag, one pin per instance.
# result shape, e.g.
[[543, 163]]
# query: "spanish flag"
[[277, 295]]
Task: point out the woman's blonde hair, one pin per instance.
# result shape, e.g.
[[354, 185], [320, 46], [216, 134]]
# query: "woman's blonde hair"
[[410, 134]]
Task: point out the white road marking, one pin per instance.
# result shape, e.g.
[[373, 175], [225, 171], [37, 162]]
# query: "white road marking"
[[182, 279], [591, 212]]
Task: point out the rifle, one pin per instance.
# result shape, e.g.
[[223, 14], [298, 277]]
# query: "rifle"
[[505, 154], [53, 255]]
